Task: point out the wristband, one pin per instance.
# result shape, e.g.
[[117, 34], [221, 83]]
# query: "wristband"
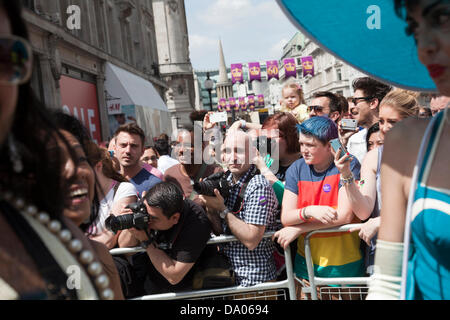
[[348, 180], [243, 124], [302, 215]]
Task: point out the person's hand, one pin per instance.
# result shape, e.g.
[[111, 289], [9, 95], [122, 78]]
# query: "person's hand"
[[368, 230], [216, 203], [140, 235], [125, 210], [236, 126], [286, 235], [207, 122], [342, 164], [259, 161], [344, 135], [322, 214]]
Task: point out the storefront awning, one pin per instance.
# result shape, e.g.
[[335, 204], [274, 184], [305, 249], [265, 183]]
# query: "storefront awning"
[[125, 88]]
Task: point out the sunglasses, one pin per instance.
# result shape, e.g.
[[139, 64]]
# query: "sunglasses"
[[315, 108], [16, 60], [355, 101]]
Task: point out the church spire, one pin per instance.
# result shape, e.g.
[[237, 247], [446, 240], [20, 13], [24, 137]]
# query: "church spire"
[[223, 74]]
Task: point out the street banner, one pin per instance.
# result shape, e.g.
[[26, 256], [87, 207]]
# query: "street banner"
[[232, 103], [237, 75], [242, 104], [228, 107], [254, 69], [307, 66], [261, 102], [290, 68], [251, 103], [222, 105], [272, 70]]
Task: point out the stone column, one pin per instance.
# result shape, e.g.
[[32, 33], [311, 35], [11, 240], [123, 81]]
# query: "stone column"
[[102, 107], [51, 73]]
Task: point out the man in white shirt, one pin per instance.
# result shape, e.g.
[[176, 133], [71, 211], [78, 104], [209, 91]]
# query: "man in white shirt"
[[165, 161], [365, 108]]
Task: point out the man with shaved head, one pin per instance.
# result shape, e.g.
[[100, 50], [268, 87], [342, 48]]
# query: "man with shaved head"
[[247, 212]]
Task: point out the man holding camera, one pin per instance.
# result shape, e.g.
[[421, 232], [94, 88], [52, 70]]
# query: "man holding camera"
[[176, 233], [248, 211]]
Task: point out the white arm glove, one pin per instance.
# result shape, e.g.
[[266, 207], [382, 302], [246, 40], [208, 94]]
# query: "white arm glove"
[[385, 283]]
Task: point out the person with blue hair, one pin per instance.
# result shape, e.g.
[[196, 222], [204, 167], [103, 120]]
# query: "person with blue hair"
[[314, 198]]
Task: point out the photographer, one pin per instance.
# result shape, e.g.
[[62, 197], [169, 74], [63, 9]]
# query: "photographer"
[[175, 234], [248, 211]]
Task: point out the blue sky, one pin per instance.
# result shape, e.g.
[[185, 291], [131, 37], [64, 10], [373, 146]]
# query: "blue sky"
[[250, 30]]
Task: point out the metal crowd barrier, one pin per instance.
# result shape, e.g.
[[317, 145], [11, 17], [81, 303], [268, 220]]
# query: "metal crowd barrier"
[[288, 284], [349, 284]]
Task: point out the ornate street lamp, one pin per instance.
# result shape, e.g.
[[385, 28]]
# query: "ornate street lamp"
[[209, 86]]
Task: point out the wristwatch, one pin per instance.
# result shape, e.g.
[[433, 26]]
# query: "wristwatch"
[[145, 244], [223, 214]]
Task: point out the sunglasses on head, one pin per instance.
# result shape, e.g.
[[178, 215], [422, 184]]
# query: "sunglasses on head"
[[16, 60], [315, 108]]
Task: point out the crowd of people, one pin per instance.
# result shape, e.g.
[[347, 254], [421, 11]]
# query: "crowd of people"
[[65, 201]]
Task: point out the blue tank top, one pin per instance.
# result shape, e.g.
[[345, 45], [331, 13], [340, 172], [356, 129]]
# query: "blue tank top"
[[428, 269]]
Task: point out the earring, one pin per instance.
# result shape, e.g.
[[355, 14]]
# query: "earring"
[[14, 155]]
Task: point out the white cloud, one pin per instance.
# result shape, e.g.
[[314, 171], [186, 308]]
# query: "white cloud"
[[240, 13], [276, 50], [197, 41], [250, 30]]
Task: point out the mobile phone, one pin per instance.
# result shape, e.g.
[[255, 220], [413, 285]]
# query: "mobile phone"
[[218, 117], [336, 145], [349, 124]]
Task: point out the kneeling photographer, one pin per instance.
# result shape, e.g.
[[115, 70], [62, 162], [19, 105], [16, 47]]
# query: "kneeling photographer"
[[174, 233], [247, 207]]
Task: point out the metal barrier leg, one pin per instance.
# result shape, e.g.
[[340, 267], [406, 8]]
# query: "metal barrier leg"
[[310, 266], [290, 273]]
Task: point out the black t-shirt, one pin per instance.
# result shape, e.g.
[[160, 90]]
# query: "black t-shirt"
[[281, 174], [188, 238]]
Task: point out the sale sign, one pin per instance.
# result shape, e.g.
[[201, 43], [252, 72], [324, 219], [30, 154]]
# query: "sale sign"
[[79, 99]]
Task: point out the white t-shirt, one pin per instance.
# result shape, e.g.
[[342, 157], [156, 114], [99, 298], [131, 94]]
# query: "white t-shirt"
[[125, 189], [357, 145], [165, 162]]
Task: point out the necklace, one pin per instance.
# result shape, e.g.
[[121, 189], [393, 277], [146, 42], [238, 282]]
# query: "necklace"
[[73, 245]]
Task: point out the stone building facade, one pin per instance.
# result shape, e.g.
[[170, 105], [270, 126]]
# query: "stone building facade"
[[72, 57]]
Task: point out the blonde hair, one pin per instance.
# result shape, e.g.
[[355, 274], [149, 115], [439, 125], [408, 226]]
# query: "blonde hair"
[[298, 90], [403, 101]]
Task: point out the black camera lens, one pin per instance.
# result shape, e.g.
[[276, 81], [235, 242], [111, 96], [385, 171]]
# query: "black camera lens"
[[216, 181], [123, 222]]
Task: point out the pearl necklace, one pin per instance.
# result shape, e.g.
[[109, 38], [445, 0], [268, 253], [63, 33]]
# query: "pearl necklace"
[[75, 246]]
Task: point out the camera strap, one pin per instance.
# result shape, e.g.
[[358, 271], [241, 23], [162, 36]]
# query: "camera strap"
[[239, 203]]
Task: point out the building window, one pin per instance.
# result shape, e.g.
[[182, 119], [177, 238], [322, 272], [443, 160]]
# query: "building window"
[[339, 74]]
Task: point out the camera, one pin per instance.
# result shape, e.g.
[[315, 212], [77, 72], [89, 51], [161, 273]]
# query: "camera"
[[216, 181], [264, 145], [139, 219], [349, 124]]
